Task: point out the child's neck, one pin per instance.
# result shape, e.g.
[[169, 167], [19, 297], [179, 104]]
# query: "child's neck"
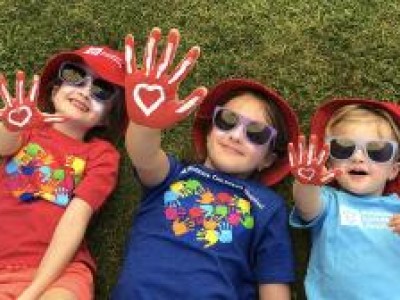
[[70, 129]]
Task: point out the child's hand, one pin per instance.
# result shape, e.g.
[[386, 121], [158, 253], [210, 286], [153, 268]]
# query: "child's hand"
[[151, 93], [394, 223], [21, 112], [308, 167]]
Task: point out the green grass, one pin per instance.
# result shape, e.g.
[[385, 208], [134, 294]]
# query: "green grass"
[[307, 50]]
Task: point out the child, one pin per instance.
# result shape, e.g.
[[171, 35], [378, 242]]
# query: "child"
[[207, 231], [54, 176], [354, 253]]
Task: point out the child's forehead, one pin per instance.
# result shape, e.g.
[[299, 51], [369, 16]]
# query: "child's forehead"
[[369, 125], [249, 105]]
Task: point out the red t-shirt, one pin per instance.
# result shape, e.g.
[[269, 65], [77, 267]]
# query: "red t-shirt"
[[36, 185]]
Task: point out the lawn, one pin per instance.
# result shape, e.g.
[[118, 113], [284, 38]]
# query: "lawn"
[[307, 50]]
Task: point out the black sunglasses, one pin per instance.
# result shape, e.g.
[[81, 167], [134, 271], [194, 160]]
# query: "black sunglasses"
[[379, 151], [77, 75], [256, 132]]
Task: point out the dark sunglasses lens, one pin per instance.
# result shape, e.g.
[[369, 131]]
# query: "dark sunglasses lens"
[[102, 90], [380, 151], [72, 74], [225, 119], [342, 148], [258, 133]]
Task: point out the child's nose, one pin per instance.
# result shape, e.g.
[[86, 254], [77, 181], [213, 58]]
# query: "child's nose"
[[85, 88], [358, 155], [237, 133]]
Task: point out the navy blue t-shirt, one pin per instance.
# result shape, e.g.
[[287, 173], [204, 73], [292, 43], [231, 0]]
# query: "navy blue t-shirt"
[[202, 234]]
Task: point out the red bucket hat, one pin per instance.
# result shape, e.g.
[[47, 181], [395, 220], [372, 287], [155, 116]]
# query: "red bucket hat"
[[323, 114], [216, 96], [106, 62]]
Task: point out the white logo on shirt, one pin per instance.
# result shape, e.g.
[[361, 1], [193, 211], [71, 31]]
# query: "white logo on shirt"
[[365, 219]]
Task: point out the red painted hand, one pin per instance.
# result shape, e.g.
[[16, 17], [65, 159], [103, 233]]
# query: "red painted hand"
[[151, 93], [21, 112], [307, 166]]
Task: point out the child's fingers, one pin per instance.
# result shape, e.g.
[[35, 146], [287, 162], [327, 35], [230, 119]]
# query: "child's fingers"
[[53, 118], [4, 93], [323, 155], [185, 66], [301, 150], [34, 89], [169, 53], [327, 177], [395, 221], [312, 145], [292, 155], [192, 101], [19, 87], [150, 52], [130, 57], [395, 226]]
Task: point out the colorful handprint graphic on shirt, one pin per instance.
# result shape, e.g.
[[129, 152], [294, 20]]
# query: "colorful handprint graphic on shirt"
[[208, 217], [34, 174]]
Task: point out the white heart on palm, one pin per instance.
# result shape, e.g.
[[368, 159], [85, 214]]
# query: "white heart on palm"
[[22, 109], [148, 110], [306, 173]]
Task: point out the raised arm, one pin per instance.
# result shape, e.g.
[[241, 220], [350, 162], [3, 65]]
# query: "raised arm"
[[308, 168], [19, 113], [153, 103], [143, 145]]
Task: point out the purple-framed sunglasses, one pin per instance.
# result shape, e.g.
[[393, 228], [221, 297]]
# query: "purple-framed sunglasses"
[[257, 133], [77, 74]]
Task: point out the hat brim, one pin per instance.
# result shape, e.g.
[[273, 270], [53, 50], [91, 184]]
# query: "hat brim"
[[216, 96], [324, 113]]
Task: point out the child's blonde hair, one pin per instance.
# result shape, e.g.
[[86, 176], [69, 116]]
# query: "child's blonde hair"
[[361, 112]]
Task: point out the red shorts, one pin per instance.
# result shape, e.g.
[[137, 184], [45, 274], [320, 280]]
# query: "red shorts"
[[76, 278]]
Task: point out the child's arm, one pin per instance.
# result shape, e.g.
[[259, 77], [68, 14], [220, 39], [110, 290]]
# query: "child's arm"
[[143, 145], [308, 168], [276, 291], [66, 240], [19, 113], [153, 104], [307, 200]]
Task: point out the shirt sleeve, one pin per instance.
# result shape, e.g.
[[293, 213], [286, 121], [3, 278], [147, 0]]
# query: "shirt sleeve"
[[274, 254], [101, 174]]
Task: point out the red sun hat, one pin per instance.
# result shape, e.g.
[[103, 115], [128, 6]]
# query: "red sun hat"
[[216, 96], [106, 62], [324, 113]]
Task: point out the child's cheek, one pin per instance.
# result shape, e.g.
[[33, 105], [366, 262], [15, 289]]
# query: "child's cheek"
[[97, 106]]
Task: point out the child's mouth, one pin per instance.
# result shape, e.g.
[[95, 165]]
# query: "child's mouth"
[[79, 105], [231, 149], [358, 172]]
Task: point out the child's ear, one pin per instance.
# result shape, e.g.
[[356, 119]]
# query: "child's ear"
[[267, 161], [395, 170]]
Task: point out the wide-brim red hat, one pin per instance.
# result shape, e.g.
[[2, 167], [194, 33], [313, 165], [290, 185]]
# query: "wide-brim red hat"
[[324, 113], [106, 62], [217, 96]]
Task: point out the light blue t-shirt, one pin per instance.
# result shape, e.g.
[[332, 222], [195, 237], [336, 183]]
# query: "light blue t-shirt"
[[354, 255]]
